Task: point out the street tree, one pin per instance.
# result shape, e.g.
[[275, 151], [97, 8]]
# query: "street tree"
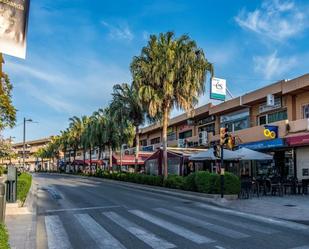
[[169, 73]]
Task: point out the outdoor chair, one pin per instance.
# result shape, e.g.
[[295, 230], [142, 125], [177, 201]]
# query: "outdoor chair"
[[276, 186]]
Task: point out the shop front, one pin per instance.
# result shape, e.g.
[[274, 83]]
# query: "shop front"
[[300, 145], [282, 165]]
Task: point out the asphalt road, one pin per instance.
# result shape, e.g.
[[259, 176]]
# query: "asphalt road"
[[84, 213]]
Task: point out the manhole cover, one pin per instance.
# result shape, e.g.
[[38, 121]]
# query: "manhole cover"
[[289, 205]]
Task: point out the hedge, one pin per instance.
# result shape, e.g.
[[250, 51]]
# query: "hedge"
[[23, 186], [1, 170], [201, 181], [4, 238]]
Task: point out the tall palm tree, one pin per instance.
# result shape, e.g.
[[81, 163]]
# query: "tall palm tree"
[[169, 73], [127, 105]]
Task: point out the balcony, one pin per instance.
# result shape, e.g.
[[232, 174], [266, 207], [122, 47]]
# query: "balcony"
[[254, 134]]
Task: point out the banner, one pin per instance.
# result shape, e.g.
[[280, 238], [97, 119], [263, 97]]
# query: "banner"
[[13, 27], [218, 89]]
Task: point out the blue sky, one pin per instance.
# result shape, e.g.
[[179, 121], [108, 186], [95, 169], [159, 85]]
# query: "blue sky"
[[78, 49]]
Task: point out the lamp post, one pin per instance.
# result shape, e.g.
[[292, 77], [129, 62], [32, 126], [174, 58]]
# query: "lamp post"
[[24, 139]]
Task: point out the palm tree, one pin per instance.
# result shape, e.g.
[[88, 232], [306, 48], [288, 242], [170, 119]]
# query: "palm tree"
[[169, 73], [127, 106]]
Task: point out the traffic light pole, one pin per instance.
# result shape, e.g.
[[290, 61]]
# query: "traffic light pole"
[[222, 173]]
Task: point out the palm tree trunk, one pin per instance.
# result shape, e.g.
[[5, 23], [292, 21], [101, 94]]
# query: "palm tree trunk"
[[164, 141], [90, 160], [136, 148], [110, 158]]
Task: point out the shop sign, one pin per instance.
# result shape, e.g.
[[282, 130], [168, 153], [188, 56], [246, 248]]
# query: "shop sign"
[[271, 131], [266, 144], [185, 127], [218, 89]]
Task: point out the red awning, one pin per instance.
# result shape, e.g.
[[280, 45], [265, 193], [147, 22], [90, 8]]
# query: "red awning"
[[129, 159], [298, 140]]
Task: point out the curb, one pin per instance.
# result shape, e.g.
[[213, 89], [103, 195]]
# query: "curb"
[[209, 198]]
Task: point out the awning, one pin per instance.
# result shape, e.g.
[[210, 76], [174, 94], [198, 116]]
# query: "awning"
[[298, 140], [247, 154], [228, 155]]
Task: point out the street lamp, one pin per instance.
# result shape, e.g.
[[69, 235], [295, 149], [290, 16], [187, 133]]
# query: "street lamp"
[[24, 139]]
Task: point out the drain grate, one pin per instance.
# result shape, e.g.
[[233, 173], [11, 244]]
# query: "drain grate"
[[289, 205]]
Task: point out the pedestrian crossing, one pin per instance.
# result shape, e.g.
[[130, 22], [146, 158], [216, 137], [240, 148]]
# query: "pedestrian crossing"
[[157, 228]]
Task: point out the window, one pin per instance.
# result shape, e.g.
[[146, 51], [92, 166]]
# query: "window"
[[277, 116], [171, 136], [273, 117], [173, 165], [155, 140], [208, 128], [263, 120], [236, 121], [143, 142], [306, 111], [185, 134]]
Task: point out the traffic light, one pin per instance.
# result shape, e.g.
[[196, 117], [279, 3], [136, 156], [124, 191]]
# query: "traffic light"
[[231, 142], [217, 151], [224, 136]]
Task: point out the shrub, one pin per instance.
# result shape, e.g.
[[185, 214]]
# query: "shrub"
[[4, 238], [23, 186], [174, 181], [1, 170], [231, 184], [189, 182], [207, 182]]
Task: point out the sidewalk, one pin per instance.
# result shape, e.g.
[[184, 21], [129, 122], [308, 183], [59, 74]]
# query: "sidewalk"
[[21, 222], [290, 207]]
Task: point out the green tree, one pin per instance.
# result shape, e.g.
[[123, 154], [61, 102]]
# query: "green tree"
[[127, 106], [7, 110], [169, 73]]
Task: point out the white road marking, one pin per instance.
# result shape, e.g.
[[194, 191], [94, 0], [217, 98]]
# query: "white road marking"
[[219, 247], [147, 237], [209, 226], [79, 209], [57, 238], [301, 247], [272, 221], [103, 239], [181, 231], [248, 226]]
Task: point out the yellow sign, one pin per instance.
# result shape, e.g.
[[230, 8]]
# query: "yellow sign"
[[270, 134]]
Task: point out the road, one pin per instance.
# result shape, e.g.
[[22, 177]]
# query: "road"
[[82, 213]]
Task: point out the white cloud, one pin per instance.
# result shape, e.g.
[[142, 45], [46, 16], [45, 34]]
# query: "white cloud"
[[272, 66], [119, 32], [276, 19]]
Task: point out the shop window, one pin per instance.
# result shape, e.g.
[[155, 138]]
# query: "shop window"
[[185, 134], [152, 167], [173, 166], [155, 140], [306, 111]]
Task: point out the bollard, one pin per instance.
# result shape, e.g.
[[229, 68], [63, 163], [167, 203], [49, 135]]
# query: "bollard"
[[2, 202]]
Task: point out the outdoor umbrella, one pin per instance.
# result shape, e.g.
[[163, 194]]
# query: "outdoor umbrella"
[[209, 155], [248, 154]]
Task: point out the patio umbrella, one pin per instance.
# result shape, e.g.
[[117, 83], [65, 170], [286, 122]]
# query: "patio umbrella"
[[209, 155], [248, 154]]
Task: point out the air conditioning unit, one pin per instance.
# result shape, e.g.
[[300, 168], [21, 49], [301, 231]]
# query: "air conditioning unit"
[[202, 138], [181, 143]]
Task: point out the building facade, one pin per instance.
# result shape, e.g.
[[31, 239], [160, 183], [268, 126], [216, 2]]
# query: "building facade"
[[284, 106]]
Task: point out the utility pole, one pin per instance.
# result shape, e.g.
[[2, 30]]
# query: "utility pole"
[[24, 140]]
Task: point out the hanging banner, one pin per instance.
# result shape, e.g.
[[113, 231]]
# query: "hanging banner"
[[13, 27], [218, 89]]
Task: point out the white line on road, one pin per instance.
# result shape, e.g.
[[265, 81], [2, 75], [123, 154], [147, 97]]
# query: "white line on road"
[[103, 239], [219, 247], [181, 231], [272, 221], [144, 235], [301, 247], [57, 238], [209, 226], [247, 226], [79, 209]]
